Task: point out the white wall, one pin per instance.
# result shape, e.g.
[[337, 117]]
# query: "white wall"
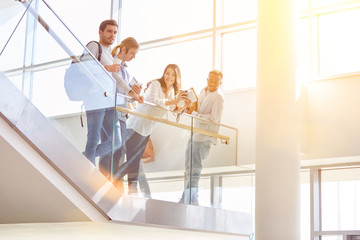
[[329, 119], [240, 112], [332, 118]]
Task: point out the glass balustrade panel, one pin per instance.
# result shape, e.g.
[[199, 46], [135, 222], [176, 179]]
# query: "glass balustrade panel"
[[166, 175], [213, 153], [60, 76], [161, 164]]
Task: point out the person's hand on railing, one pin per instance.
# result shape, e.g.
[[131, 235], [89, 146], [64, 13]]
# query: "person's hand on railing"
[[136, 96], [187, 104], [182, 109], [141, 99]]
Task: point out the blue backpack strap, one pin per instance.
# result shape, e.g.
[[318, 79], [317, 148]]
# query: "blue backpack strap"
[[99, 47]]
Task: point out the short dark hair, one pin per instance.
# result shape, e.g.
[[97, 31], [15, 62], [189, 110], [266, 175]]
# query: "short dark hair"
[[107, 22]]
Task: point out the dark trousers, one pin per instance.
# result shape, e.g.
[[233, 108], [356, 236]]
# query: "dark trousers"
[[135, 145]]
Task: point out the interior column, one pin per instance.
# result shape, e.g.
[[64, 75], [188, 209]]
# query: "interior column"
[[277, 206]]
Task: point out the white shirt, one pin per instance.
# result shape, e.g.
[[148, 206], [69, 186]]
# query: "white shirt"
[[210, 107], [153, 94], [107, 59], [96, 98]]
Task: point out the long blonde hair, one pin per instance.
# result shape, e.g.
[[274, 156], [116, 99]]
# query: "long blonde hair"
[[129, 42]]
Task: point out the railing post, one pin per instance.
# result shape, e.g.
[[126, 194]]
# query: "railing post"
[[191, 161], [216, 191], [315, 202]]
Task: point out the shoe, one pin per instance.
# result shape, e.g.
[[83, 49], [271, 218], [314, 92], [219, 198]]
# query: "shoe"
[[132, 191], [133, 194], [132, 188], [119, 185], [196, 203]]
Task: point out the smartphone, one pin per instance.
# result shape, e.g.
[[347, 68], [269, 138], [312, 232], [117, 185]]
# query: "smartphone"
[[184, 91]]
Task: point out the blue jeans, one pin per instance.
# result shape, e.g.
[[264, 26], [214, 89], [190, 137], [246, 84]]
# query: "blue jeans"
[[200, 150], [100, 125], [105, 160]]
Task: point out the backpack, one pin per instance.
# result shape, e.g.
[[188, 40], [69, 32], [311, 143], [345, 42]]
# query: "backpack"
[[77, 82]]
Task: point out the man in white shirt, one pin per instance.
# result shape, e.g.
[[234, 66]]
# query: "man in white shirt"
[[98, 108], [209, 106]]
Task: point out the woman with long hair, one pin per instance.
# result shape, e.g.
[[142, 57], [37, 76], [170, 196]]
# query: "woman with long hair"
[[164, 92]]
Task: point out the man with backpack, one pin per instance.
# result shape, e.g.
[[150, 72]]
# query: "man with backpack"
[[100, 120]]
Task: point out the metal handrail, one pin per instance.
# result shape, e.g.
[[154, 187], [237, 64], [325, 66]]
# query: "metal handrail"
[[179, 125], [185, 114]]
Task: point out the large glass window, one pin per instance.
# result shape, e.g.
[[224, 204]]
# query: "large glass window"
[[239, 64], [303, 41], [192, 57], [47, 46], [10, 14], [328, 2], [158, 23], [236, 11], [153, 19], [305, 205], [340, 199], [327, 38], [339, 39], [302, 4], [83, 17]]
